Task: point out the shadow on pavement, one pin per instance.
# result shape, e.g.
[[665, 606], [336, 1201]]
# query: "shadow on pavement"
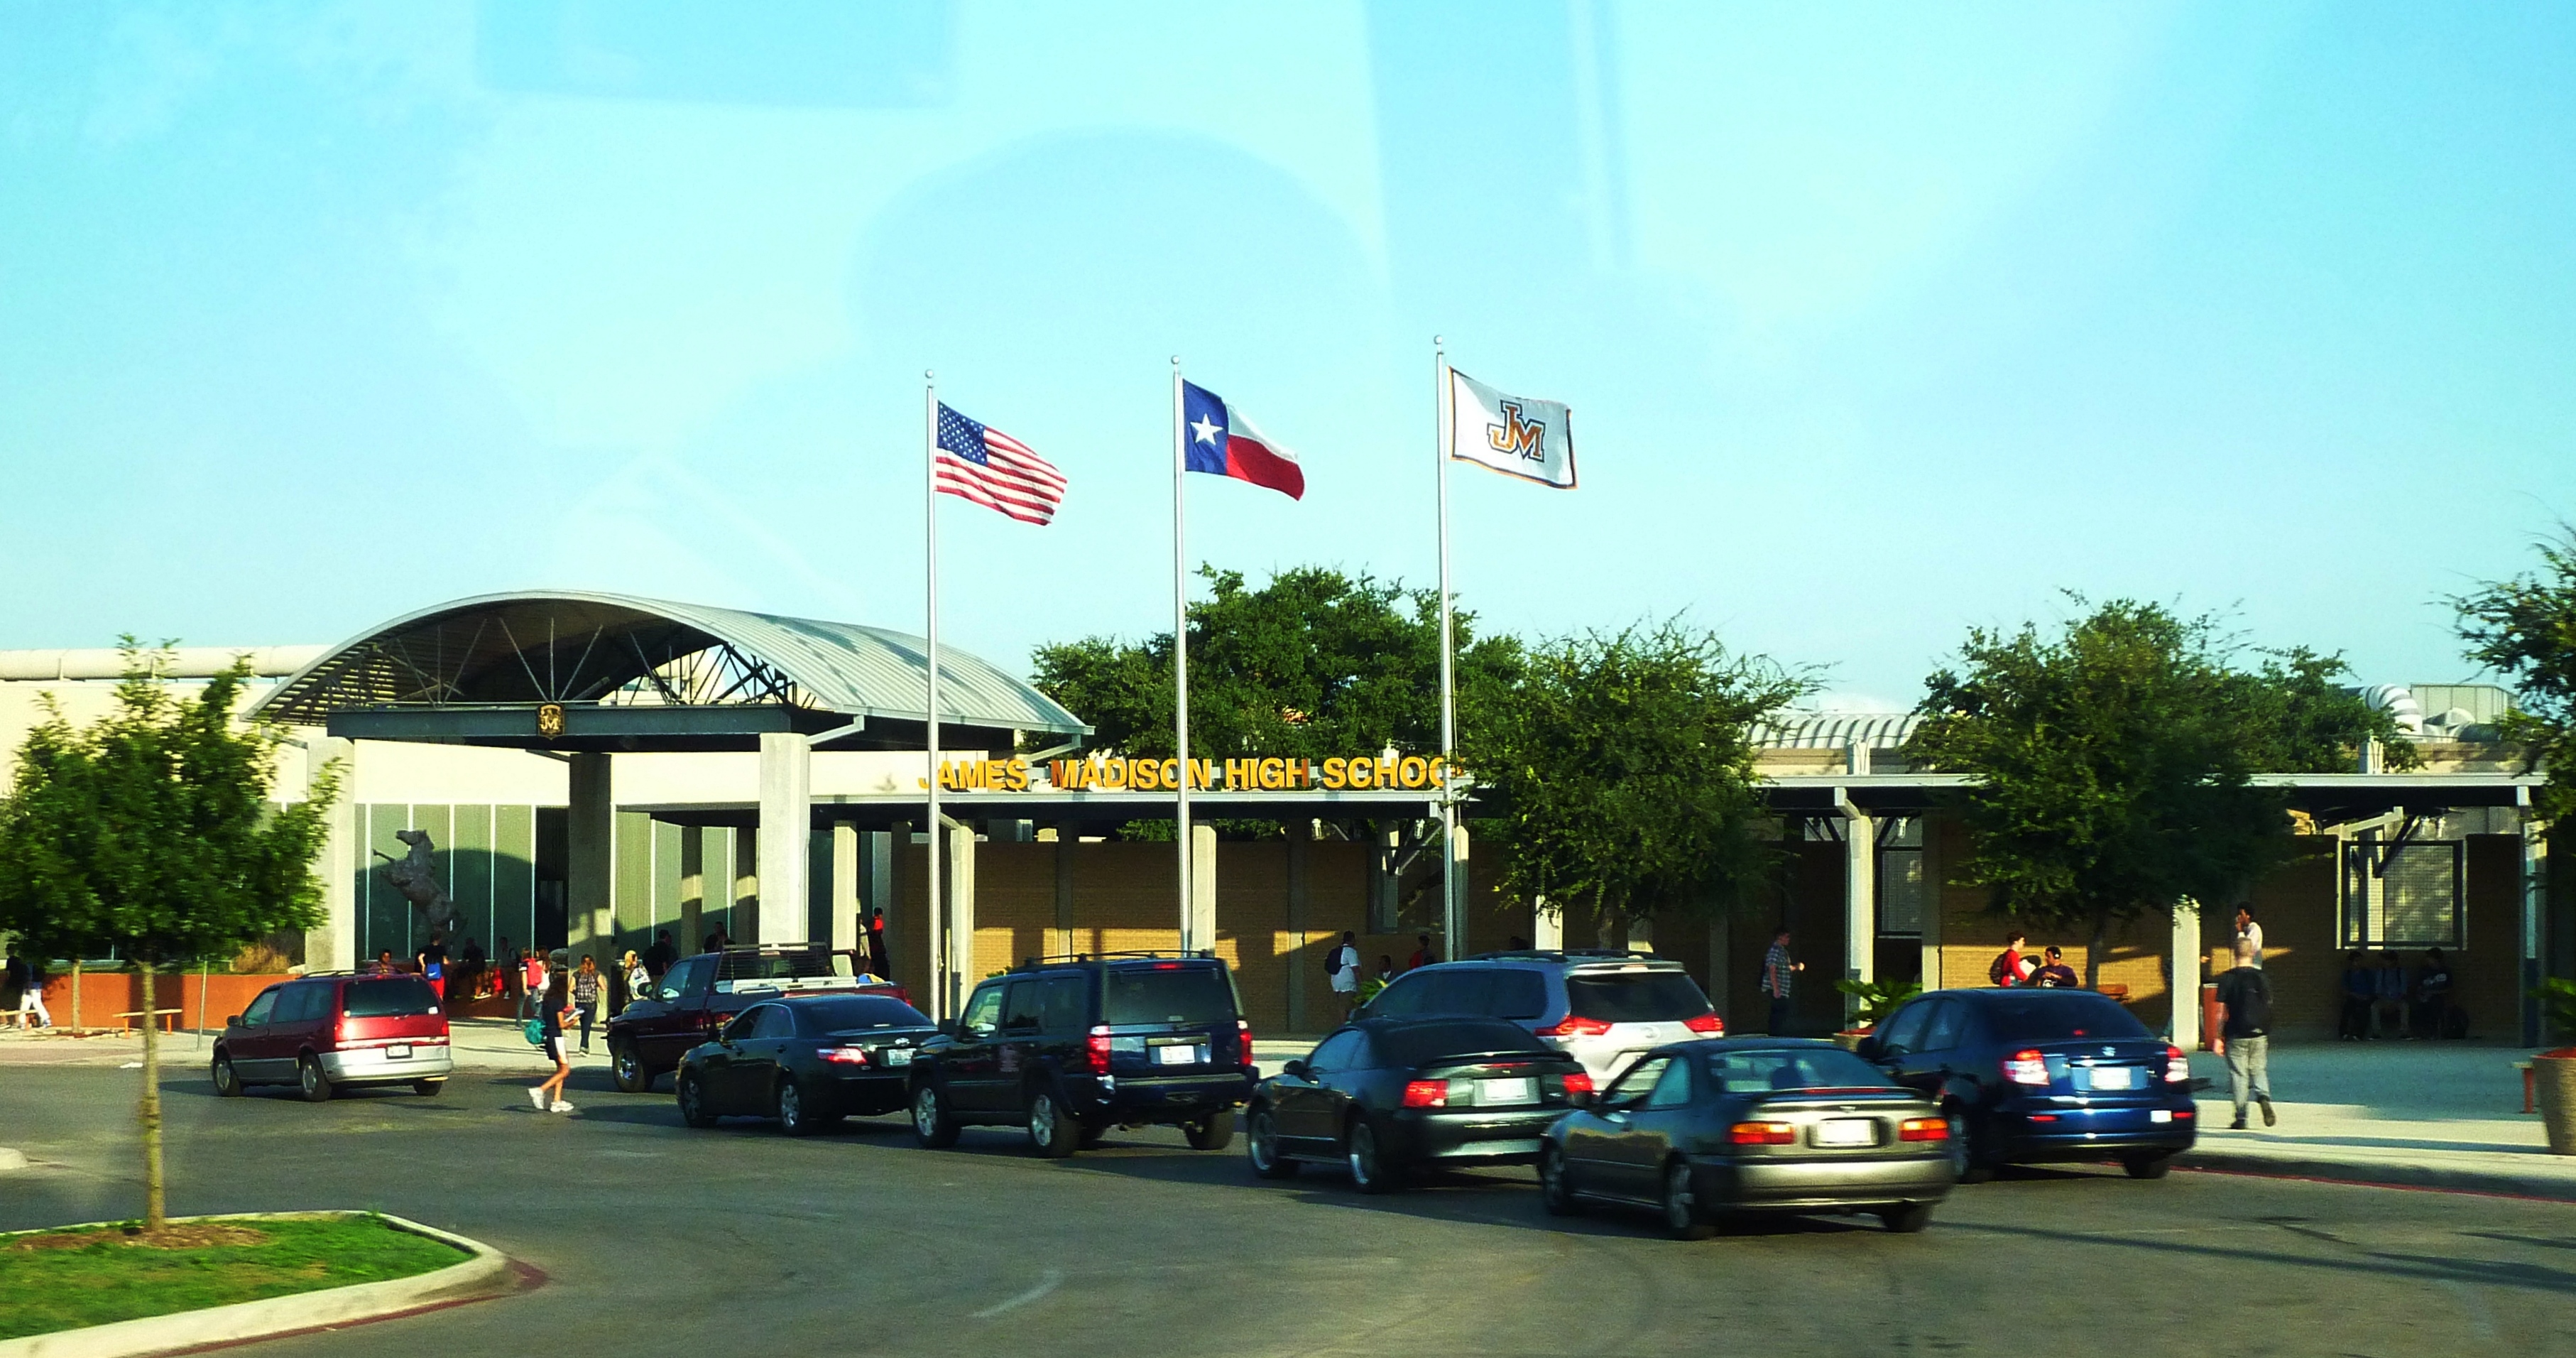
[[2365, 1262]]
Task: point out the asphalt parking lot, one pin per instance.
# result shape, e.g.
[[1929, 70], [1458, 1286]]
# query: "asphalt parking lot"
[[654, 1239]]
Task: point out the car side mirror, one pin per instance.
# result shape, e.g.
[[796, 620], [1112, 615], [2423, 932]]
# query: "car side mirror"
[[1580, 1098], [948, 1027], [232, 1020], [1868, 1048], [1295, 1070]]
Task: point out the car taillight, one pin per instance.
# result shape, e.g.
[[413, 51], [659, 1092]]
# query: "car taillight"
[[2026, 1067], [1764, 1134], [1575, 1025], [1923, 1129], [1243, 1035], [1706, 1023], [1095, 1050], [1578, 1082], [2177, 1066], [842, 1056], [1426, 1093]]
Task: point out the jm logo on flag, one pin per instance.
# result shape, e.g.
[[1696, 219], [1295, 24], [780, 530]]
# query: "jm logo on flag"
[[1511, 434]]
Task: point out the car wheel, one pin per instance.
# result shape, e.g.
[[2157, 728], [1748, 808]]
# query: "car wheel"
[[1261, 1145], [794, 1118], [1908, 1219], [1052, 1132], [931, 1123], [1555, 1191], [309, 1077], [428, 1089], [2152, 1166], [1214, 1133], [1370, 1172], [1683, 1219], [227, 1081], [693, 1102], [626, 1066], [1967, 1164]]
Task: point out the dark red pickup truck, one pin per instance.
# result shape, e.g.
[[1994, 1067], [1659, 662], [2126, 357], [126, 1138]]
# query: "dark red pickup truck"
[[699, 994]]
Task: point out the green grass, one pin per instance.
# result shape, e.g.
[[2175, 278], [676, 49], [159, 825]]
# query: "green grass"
[[43, 1290]]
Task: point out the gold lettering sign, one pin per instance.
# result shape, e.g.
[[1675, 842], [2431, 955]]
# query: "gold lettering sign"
[[1123, 773], [550, 720]]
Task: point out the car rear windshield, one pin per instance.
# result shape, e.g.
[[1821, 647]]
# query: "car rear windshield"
[[1747, 1072], [393, 997], [767, 966], [1635, 996], [2049, 1018], [1420, 1044], [1179, 995], [860, 1012]]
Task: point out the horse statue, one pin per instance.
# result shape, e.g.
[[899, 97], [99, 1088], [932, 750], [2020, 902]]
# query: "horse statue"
[[416, 877]]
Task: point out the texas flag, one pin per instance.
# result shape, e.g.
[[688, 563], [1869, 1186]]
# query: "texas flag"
[[1223, 442]]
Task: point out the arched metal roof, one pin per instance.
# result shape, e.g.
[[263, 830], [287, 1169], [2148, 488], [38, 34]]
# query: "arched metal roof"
[[1792, 730], [648, 673]]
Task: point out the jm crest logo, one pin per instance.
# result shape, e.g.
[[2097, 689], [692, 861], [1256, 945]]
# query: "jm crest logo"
[[1521, 438], [550, 723]]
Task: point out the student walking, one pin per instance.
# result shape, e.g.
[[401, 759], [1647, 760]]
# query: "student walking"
[[28, 980], [2251, 932], [532, 982], [585, 996], [432, 958], [1779, 972], [2009, 966], [555, 1005], [880, 961], [1342, 965], [2245, 1037]]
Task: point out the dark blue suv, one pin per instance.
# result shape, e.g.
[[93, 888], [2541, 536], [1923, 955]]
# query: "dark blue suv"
[[2029, 1076]]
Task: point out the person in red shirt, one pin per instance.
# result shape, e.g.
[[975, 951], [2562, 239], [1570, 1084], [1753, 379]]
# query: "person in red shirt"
[[2009, 967], [1422, 955]]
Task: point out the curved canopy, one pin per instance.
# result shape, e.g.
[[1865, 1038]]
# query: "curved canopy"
[[577, 670]]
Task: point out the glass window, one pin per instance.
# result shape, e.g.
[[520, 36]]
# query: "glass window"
[[1182, 994], [858, 1013], [1673, 1090], [1459, 990], [1518, 994], [1903, 892], [1341, 1051], [1639, 1078], [775, 1021], [261, 1009], [304, 1003], [1759, 1070], [1020, 1006], [2403, 896], [983, 1011], [1421, 1044], [744, 1025], [1941, 1031], [393, 997], [2044, 1017], [1635, 996], [1064, 1006], [688, 980], [1402, 997], [1905, 1030]]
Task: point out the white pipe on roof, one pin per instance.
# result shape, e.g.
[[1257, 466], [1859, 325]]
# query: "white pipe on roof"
[[187, 662]]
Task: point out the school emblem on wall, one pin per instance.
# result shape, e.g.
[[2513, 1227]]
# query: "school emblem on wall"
[[550, 720]]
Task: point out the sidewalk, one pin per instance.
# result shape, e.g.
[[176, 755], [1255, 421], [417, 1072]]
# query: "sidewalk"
[[2423, 1114]]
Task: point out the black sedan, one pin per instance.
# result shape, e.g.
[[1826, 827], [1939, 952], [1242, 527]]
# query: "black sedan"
[[1701, 1131], [806, 1060], [1385, 1096]]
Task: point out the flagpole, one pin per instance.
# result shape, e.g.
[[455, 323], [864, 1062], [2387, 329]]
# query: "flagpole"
[[1453, 924], [1181, 662], [943, 977]]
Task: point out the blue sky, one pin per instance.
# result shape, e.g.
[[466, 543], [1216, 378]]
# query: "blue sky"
[[1877, 322]]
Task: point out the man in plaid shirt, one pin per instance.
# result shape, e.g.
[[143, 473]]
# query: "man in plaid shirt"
[[1777, 973]]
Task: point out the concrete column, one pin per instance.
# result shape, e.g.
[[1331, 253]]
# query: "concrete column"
[[1931, 903], [1301, 844], [1454, 924], [2535, 909], [1721, 961], [786, 825], [962, 972], [1383, 885], [845, 887], [2185, 1031], [1547, 925], [744, 893], [332, 945], [1068, 840], [590, 853], [693, 889], [1202, 887], [1860, 892]]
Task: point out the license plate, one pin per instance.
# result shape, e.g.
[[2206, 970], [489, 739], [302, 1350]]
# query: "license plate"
[[898, 1056], [1179, 1056], [2111, 1077], [401, 1053], [1847, 1132], [2161, 1115], [1498, 1093]]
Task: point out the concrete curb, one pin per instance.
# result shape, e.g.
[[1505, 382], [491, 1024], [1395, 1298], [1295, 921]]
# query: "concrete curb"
[[486, 1271], [2367, 1173]]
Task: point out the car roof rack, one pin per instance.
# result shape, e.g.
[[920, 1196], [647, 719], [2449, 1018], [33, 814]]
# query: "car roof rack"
[[1568, 955], [1147, 954]]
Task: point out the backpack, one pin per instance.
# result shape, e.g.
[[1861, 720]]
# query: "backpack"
[[2000, 972], [1333, 961]]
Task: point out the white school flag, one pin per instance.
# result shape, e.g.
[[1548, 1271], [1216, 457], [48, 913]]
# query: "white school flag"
[[1511, 434]]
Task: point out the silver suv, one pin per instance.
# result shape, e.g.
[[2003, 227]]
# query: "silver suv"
[[1603, 1008]]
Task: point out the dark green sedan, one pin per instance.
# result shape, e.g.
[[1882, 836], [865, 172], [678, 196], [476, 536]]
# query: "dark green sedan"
[[806, 1061]]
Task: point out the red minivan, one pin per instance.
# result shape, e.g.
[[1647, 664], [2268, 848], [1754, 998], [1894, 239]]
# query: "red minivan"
[[325, 1033]]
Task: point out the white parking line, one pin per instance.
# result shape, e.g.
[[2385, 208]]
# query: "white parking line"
[[1046, 1284]]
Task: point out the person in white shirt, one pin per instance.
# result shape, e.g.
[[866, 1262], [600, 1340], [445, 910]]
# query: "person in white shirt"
[[2247, 931], [1344, 965]]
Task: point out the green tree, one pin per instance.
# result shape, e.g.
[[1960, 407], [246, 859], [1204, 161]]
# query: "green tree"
[[2113, 762], [1313, 664], [149, 832], [1617, 777], [2525, 629]]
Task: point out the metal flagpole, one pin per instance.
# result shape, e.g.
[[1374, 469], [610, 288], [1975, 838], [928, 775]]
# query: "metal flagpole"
[[1181, 660], [1453, 924], [943, 979]]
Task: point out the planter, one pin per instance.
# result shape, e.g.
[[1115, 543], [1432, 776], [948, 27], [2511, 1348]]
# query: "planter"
[[2553, 1079]]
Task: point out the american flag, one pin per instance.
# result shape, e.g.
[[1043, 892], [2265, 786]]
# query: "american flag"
[[994, 470]]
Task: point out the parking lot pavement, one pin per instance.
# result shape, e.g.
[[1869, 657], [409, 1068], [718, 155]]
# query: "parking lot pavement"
[[655, 1239], [2437, 1114]]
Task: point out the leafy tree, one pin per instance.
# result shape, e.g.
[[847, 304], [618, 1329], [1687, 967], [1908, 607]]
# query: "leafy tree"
[[1617, 777], [149, 832], [2525, 628], [2113, 762], [1313, 664]]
